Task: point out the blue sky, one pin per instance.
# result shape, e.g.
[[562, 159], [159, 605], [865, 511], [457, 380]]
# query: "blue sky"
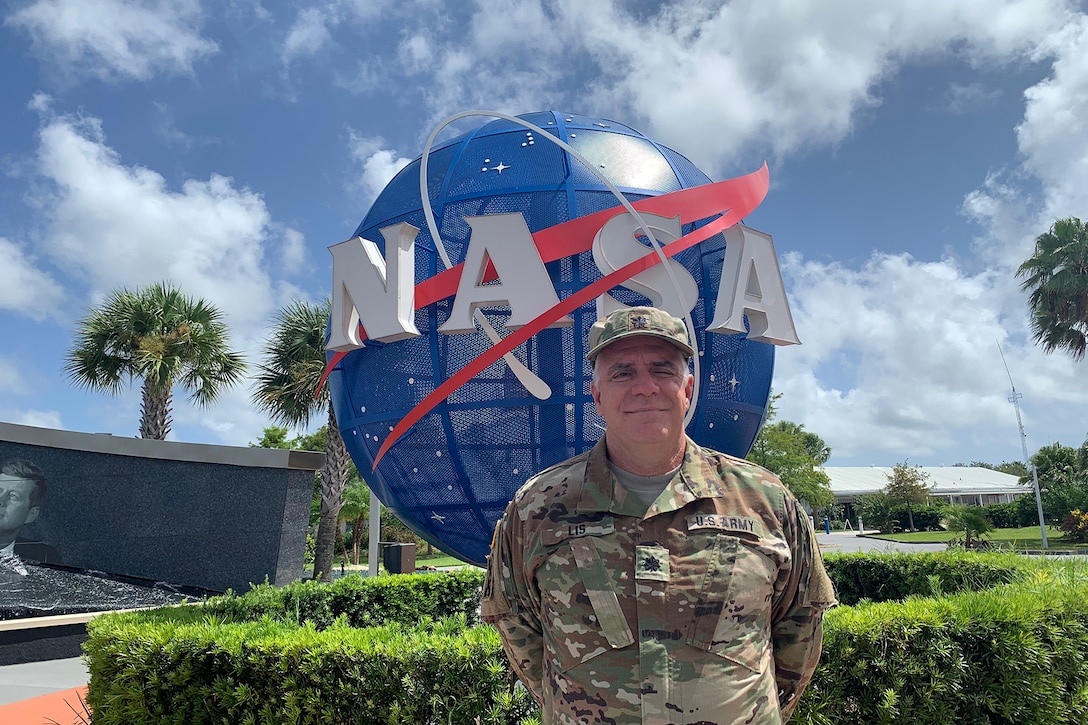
[[916, 150]]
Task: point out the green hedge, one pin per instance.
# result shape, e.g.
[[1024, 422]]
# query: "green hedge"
[[365, 602], [894, 577], [1013, 654], [182, 667]]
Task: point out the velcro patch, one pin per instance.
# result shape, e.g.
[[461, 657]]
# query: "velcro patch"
[[652, 563], [721, 522], [574, 529]]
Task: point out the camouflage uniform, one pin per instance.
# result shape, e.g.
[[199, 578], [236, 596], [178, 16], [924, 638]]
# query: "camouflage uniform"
[[706, 608]]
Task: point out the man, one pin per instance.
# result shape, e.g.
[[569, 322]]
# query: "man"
[[22, 489], [651, 580]]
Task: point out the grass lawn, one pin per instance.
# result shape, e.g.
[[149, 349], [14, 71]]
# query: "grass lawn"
[[1027, 537], [438, 559]]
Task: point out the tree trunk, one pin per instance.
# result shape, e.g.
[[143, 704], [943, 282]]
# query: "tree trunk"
[[910, 517], [154, 412], [357, 530], [326, 541], [343, 547], [333, 478]]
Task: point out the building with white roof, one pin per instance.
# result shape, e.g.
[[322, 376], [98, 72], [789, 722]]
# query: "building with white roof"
[[972, 486]]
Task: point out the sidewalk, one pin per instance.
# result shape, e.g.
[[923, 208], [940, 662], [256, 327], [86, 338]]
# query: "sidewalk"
[[851, 541], [37, 693]]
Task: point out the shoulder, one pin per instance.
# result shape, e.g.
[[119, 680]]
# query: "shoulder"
[[554, 486], [742, 477]]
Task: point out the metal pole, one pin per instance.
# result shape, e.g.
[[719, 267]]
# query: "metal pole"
[[1015, 400], [375, 534]]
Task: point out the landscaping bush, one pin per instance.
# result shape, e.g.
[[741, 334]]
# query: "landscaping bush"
[[1075, 526], [1027, 511], [182, 666], [1010, 655], [894, 577], [926, 518], [1005, 515], [365, 602]]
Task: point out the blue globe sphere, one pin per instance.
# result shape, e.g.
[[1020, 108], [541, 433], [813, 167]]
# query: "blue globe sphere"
[[451, 475]]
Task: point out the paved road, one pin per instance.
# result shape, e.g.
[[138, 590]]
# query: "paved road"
[[849, 541]]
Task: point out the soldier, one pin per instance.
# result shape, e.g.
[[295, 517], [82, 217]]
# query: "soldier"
[[651, 580]]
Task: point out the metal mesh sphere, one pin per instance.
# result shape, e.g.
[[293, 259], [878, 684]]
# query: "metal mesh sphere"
[[452, 474]]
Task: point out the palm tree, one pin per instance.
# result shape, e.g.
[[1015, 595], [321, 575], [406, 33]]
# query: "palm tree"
[[971, 520], [355, 508], [164, 338], [286, 386], [1057, 277]]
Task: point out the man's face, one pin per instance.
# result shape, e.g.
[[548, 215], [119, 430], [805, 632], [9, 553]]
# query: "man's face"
[[15, 508], [642, 390]]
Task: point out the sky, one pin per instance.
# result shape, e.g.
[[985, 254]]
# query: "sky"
[[916, 150]]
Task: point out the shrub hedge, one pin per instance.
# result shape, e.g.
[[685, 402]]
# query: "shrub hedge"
[[364, 602], [1011, 654], [894, 577]]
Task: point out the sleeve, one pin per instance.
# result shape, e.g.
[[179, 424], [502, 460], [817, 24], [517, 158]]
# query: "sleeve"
[[797, 618], [508, 604]]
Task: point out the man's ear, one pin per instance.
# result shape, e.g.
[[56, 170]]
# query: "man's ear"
[[32, 515]]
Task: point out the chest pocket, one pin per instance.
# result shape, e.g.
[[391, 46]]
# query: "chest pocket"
[[732, 613], [581, 604]]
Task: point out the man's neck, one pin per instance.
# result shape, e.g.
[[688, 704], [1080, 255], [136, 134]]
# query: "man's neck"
[[648, 460]]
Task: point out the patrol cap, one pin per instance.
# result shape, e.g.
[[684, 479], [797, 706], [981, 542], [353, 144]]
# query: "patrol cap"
[[632, 321]]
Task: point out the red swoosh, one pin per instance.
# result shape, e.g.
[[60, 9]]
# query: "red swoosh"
[[745, 194], [576, 235]]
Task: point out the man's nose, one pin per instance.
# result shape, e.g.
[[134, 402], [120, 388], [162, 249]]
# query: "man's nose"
[[645, 384]]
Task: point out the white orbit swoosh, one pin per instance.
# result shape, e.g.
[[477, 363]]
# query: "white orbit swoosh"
[[532, 382], [523, 373]]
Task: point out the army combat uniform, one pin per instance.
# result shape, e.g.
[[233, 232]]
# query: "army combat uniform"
[[705, 608]]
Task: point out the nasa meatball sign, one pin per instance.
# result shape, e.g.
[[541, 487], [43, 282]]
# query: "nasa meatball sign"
[[462, 304]]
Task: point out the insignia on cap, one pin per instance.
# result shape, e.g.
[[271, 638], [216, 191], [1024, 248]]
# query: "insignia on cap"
[[639, 322]]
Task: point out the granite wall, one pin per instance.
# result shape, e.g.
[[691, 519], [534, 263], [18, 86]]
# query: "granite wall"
[[212, 517]]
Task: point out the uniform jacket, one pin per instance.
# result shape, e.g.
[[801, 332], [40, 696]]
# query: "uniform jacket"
[[705, 608]]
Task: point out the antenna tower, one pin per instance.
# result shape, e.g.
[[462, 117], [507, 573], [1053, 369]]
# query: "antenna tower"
[[1015, 400]]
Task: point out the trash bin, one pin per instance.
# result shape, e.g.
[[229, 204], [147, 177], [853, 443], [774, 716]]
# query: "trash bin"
[[399, 558]]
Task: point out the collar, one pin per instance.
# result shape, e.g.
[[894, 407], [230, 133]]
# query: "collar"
[[602, 492]]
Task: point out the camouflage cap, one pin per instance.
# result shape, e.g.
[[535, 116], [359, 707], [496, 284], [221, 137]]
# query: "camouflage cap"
[[631, 321]]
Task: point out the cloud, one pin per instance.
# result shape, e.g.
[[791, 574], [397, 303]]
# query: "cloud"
[[718, 80], [1053, 136], [109, 225], [166, 128], [784, 73], [970, 97], [24, 288], [308, 35], [36, 418], [114, 225], [116, 39], [901, 355], [1015, 205], [311, 33], [379, 164], [11, 381]]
